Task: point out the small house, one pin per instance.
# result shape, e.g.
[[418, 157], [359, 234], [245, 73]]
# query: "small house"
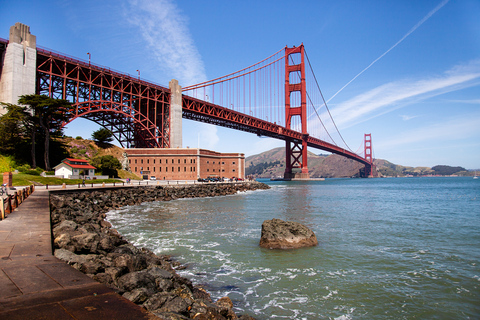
[[74, 169]]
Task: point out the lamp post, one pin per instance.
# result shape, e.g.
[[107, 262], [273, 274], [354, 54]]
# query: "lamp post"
[[138, 74], [89, 58]]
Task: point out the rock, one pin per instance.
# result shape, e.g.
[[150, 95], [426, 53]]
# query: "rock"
[[69, 256], [138, 296], [225, 306], [279, 234], [137, 279]]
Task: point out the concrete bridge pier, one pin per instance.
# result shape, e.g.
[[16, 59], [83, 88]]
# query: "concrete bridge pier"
[[18, 65], [176, 139]]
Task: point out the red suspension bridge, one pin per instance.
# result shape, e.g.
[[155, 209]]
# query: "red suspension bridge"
[[278, 97]]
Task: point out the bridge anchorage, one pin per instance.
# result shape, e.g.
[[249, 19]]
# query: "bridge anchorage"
[[277, 97]]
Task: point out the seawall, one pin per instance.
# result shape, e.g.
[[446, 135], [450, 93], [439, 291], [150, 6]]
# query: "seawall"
[[84, 239]]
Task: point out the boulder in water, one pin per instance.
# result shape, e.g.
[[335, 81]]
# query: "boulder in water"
[[279, 234]]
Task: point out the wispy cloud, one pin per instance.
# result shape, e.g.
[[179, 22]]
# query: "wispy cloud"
[[394, 95], [472, 101], [165, 31], [407, 117], [456, 129], [208, 136]]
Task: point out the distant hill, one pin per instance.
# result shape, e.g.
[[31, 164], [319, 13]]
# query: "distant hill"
[[320, 166], [271, 164]]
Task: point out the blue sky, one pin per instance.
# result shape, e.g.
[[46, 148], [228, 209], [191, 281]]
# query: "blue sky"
[[408, 72]]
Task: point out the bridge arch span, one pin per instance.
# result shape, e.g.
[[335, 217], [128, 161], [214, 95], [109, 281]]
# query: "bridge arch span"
[[129, 128]]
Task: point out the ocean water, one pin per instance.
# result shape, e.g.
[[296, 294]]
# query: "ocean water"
[[399, 248]]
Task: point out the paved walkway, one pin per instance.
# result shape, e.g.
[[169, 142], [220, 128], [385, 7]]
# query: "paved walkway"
[[36, 285]]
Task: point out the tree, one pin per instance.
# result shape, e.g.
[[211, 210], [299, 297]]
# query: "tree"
[[12, 128], [108, 165], [46, 116], [102, 135]]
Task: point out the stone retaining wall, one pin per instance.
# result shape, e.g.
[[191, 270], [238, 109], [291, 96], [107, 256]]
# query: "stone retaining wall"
[[82, 238]]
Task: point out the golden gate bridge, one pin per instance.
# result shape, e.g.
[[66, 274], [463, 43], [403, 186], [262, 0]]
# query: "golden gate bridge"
[[278, 97]]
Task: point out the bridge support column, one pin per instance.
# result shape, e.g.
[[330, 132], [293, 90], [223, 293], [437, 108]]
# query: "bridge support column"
[[296, 151], [19, 65], [296, 160], [369, 169], [175, 114]]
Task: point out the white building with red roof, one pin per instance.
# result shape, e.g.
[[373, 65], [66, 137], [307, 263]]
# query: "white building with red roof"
[[74, 168]]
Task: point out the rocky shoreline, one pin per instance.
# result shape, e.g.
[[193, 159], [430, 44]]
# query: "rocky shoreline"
[[85, 240]]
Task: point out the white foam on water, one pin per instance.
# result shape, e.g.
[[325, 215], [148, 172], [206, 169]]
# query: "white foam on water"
[[211, 244], [330, 294]]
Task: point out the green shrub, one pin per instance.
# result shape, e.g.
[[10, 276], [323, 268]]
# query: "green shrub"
[[7, 163], [34, 172], [79, 138], [24, 168]]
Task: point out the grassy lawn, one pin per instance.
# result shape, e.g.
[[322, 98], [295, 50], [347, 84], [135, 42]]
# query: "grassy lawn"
[[22, 179]]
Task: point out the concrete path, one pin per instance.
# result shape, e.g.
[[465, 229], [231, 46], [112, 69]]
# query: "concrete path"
[[36, 285]]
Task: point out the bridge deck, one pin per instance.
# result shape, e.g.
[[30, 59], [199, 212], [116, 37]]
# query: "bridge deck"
[[36, 285]]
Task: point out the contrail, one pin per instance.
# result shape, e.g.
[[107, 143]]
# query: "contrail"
[[431, 13]]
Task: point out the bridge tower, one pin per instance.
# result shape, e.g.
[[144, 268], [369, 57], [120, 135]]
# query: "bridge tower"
[[296, 150], [18, 73], [368, 155]]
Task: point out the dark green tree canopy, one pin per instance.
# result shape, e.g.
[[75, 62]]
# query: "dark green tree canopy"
[[39, 118], [108, 165], [102, 135], [13, 129], [45, 116]]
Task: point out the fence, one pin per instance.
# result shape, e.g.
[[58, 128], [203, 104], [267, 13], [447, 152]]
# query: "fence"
[[12, 201]]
